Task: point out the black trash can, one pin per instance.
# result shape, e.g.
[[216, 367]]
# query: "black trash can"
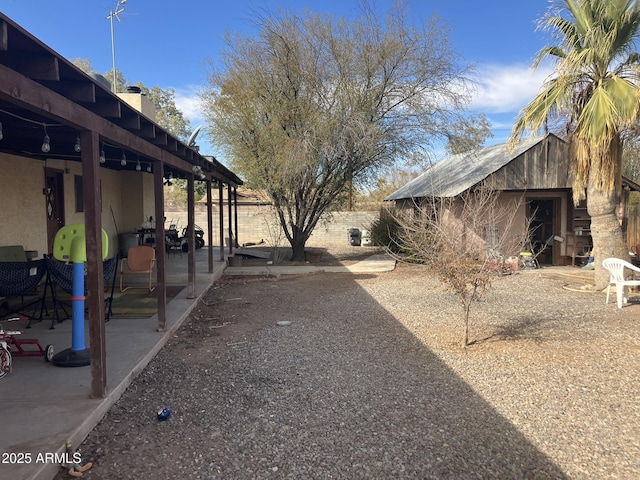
[[127, 240], [355, 237]]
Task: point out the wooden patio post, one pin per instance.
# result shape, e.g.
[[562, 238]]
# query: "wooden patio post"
[[191, 221], [221, 220], [89, 148], [161, 288], [235, 214], [209, 227], [231, 232]]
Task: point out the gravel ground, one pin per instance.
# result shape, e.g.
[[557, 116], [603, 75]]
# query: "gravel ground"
[[370, 381]]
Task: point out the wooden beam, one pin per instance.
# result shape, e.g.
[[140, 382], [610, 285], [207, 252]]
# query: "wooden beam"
[[161, 285], [84, 92], [30, 95], [191, 222], [235, 214], [130, 121], [40, 67], [90, 146], [109, 108], [221, 220], [4, 36], [231, 232], [209, 227]]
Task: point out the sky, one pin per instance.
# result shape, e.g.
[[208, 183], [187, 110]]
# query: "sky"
[[168, 44]]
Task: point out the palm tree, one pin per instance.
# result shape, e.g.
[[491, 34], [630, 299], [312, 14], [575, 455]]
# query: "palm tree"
[[595, 93]]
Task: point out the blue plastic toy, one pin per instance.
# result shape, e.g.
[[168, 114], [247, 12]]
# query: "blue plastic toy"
[[69, 245]]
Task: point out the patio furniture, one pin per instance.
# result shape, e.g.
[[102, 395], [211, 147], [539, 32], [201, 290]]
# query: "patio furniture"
[[21, 279], [61, 275], [617, 268], [172, 240], [140, 261]]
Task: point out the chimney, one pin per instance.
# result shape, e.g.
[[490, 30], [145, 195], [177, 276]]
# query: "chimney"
[[136, 99]]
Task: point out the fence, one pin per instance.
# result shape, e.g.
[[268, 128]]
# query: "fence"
[[256, 223]]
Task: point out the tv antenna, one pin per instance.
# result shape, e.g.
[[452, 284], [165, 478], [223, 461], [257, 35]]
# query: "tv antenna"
[[115, 13]]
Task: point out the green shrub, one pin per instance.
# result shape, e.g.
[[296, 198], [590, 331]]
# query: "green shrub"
[[384, 232]]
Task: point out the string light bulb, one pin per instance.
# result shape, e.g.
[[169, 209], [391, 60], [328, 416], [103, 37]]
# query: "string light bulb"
[[1, 134], [123, 162], [46, 141], [138, 167], [76, 147], [103, 158], [149, 167]]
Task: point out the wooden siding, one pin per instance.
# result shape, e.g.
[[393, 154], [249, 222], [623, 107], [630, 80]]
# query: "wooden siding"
[[544, 166]]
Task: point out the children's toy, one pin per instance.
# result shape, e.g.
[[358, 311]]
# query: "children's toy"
[[69, 245]]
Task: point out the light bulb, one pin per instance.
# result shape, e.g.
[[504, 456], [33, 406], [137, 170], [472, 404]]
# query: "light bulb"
[[103, 159], [138, 167], [76, 147], [149, 167], [123, 162], [46, 146], [1, 134]]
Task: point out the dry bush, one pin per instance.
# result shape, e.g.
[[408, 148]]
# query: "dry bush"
[[467, 241]]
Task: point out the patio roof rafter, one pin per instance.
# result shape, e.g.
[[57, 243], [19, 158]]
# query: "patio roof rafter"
[[30, 95]]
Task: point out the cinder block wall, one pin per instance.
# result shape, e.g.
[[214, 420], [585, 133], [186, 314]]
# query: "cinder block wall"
[[256, 223]]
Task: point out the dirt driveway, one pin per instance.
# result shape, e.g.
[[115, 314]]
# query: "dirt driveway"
[[366, 379]]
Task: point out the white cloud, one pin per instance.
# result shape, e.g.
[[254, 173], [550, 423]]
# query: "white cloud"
[[507, 88], [188, 102]]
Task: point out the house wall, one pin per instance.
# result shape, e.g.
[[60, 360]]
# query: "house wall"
[[127, 199], [22, 216], [514, 234]]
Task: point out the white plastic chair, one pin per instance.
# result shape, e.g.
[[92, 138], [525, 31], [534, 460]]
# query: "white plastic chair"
[[616, 268]]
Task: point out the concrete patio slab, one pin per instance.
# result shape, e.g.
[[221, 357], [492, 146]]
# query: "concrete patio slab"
[[43, 406]]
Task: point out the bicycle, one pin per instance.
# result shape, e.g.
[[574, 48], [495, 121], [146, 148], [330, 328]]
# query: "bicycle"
[[5, 351], [8, 339]]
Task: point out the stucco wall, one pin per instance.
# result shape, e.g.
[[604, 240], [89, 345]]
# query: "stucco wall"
[[22, 215], [127, 199]]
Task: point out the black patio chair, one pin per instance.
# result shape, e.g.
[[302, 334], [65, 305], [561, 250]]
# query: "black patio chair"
[[21, 279], [61, 274]]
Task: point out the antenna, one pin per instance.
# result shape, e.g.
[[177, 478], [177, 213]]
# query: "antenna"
[[192, 139], [115, 13]]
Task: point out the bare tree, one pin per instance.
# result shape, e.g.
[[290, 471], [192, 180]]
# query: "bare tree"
[[467, 241], [315, 103]]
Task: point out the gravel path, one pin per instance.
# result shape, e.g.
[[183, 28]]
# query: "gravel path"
[[369, 381]]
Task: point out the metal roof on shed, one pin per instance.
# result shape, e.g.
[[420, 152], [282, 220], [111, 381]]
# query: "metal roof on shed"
[[454, 174]]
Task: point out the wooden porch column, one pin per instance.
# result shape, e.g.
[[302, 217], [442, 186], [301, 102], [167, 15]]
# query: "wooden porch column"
[[221, 220], [209, 227], [89, 148], [235, 213], [161, 288], [231, 232], [191, 221]]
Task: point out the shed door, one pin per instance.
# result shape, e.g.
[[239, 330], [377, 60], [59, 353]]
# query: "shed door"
[[545, 223], [54, 198]]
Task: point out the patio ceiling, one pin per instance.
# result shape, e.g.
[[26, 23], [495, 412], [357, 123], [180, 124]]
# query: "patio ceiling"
[[72, 101]]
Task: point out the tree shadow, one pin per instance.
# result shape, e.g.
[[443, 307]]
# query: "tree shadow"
[[352, 394], [521, 328]]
